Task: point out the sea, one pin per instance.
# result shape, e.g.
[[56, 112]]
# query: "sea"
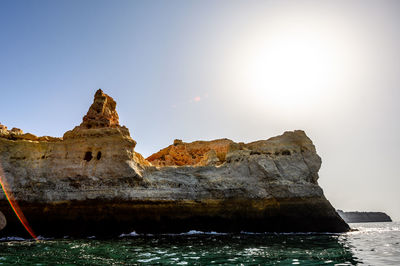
[[369, 244]]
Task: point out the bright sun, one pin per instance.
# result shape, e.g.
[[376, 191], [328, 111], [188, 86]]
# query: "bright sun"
[[294, 67]]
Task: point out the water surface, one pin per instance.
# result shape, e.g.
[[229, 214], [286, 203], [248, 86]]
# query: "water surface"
[[373, 244]]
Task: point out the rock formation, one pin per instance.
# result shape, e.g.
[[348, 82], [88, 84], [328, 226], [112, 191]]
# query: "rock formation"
[[364, 217], [195, 153], [102, 112], [16, 133], [92, 181]]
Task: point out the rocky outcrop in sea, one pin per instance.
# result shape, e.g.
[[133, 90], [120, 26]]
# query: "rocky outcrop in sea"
[[364, 217], [92, 181]]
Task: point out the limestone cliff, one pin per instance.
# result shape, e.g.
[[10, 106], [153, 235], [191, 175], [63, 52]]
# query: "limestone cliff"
[[92, 181]]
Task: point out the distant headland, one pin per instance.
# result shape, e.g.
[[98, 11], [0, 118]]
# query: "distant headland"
[[92, 181], [364, 217]]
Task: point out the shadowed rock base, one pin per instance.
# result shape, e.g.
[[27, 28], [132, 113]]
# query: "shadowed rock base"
[[3, 221], [102, 218]]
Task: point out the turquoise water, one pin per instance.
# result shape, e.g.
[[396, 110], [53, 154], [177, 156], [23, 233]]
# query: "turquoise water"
[[372, 244]]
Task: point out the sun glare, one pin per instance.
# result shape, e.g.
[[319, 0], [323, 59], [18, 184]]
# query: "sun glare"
[[294, 67]]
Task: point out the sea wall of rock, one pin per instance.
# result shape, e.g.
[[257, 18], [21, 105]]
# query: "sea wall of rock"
[[92, 181]]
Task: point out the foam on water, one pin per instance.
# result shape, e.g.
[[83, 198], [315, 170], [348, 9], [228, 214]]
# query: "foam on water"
[[196, 232], [191, 232], [130, 234]]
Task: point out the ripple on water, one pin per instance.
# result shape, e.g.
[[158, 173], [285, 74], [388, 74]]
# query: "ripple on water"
[[373, 244]]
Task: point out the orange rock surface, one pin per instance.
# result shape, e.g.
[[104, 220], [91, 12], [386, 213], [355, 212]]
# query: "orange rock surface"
[[102, 112], [195, 153]]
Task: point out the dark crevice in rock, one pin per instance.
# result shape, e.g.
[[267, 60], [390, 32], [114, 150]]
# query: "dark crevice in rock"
[[88, 156]]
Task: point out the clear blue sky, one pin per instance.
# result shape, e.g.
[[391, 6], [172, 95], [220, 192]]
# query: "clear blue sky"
[[244, 70]]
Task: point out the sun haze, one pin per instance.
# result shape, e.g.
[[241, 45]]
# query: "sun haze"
[[244, 70]]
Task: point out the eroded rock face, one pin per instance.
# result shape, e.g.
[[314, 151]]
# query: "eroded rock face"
[[18, 134], [17, 131], [3, 221], [102, 113], [3, 127], [92, 180], [195, 153]]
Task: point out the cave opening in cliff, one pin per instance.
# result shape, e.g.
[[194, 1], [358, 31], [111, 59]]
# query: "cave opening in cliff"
[[88, 156], [98, 157]]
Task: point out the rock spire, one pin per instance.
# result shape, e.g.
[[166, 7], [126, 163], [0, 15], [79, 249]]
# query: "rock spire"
[[102, 112]]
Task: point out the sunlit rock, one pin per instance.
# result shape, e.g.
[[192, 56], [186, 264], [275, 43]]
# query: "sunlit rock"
[[92, 181]]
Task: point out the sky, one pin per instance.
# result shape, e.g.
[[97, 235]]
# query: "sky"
[[202, 70]]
